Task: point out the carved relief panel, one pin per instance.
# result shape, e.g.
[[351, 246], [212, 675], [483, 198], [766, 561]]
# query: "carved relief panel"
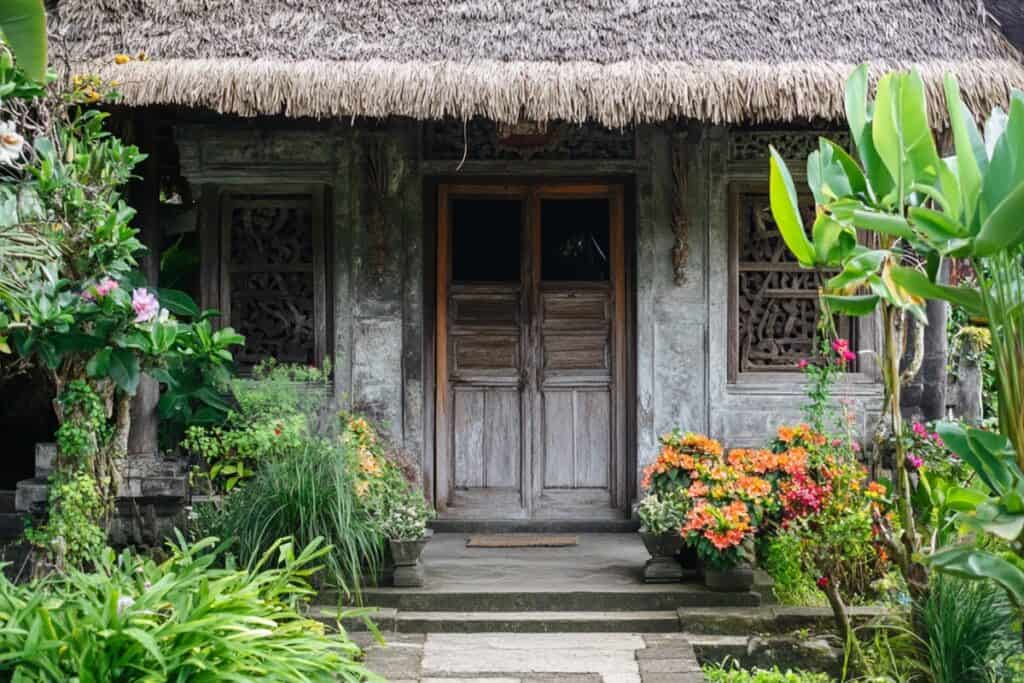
[[273, 274], [773, 301]]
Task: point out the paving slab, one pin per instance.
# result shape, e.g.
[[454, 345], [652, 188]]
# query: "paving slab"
[[534, 658]]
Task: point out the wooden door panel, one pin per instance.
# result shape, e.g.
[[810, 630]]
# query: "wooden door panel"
[[487, 426], [577, 439]]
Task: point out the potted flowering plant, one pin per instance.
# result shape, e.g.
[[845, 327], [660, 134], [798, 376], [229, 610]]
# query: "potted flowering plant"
[[662, 517], [394, 502], [667, 479]]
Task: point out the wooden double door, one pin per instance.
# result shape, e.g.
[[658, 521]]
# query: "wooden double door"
[[531, 352]]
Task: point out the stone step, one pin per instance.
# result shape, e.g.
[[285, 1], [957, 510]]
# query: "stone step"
[[636, 598], [12, 525], [46, 453], [660, 621], [535, 526], [31, 493]]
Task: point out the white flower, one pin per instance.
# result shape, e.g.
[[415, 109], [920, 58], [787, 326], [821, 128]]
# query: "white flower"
[[10, 142], [123, 603]]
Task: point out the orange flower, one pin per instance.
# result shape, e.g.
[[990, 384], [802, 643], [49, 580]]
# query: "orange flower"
[[785, 434], [698, 489], [755, 487]]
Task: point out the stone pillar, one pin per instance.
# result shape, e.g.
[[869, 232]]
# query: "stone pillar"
[[934, 371]]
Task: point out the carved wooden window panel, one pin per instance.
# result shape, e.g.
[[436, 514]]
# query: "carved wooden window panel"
[[773, 307], [273, 273]]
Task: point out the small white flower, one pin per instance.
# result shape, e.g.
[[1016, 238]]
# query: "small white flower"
[[164, 315], [123, 603], [11, 143]]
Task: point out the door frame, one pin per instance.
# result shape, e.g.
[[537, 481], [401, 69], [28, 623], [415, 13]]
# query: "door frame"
[[622, 331]]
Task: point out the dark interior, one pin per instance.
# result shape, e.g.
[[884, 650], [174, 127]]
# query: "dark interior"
[[486, 239], [574, 240]]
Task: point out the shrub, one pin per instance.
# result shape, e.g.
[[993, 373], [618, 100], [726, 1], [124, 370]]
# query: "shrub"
[[185, 619], [310, 494], [726, 673], [782, 558]]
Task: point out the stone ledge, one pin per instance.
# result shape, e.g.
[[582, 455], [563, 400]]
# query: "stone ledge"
[[767, 619]]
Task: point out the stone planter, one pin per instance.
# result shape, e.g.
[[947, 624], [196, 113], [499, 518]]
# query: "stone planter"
[[688, 560], [663, 566], [406, 556], [733, 580]]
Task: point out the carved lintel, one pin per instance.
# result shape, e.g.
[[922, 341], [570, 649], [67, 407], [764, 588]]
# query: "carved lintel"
[[680, 216]]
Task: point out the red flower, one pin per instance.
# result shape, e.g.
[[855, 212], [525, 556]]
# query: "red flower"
[[803, 363], [277, 430], [823, 582]]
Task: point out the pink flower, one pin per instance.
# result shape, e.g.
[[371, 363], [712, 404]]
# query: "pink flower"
[[914, 461], [840, 345], [106, 286], [938, 440], [836, 443], [87, 295], [144, 304], [855, 446], [920, 430], [849, 356], [803, 364]]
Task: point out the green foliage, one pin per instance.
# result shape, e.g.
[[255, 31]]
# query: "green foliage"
[[782, 556], [309, 494], [663, 513], [23, 27], [274, 415], [185, 619], [732, 673], [74, 532], [966, 622], [392, 498]]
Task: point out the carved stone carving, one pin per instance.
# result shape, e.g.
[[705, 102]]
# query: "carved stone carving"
[[481, 140], [776, 299], [752, 145]]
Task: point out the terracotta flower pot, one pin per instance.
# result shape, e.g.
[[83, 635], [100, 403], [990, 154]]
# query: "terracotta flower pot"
[[406, 555], [732, 580], [662, 567]]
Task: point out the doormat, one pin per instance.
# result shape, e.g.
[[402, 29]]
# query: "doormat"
[[521, 541]]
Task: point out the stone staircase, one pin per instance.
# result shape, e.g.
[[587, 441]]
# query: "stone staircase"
[[594, 587]]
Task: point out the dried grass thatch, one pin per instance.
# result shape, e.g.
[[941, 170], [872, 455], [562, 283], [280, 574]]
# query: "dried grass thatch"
[[613, 61]]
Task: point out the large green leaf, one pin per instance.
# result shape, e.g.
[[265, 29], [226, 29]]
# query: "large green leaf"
[[917, 283], [124, 370], [857, 269], [23, 23], [178, 302], [971, 158], [1005, 171], [885, 223], [786, 210], [901, 132], [857, 305], [970, 563], [989, 455], [1004, 227], [859, 115]]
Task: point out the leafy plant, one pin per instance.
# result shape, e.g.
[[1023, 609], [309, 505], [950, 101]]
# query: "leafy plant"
[[23, 27], [184, 619], [664, 513], [727, 672], [309, 494], [782, 557]]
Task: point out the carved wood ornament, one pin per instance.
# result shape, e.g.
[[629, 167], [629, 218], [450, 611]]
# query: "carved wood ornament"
[[680, 218]]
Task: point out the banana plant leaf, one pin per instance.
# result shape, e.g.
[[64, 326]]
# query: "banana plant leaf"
[[23, 23]]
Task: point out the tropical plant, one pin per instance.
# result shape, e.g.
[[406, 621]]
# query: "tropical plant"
[[23, 27], [781, 555], [185, 619], [310, 493]]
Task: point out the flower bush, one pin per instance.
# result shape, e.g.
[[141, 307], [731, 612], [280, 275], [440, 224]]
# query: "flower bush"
[[393, 501]]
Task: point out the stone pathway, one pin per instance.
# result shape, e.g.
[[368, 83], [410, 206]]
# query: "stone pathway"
[[533, 658]]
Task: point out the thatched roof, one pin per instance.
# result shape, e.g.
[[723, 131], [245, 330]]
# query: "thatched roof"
[[613, 61]]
